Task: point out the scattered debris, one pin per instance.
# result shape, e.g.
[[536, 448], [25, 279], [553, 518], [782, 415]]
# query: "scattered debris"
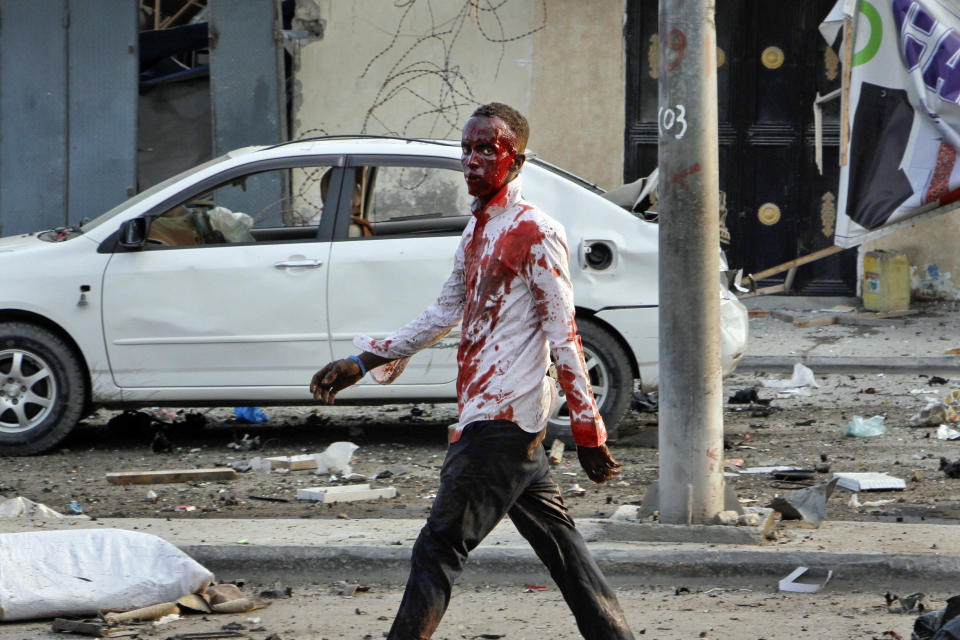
[[932, 415], [860, 427], [747, 396], [869, 482], [96, 628], [950, 469], [143, 614], [798, 383], [804, 319], [227, 598], [777, 469], [556, 452], [808, 504], [350, 493], [268, 498], [294, 463], [645, 402], [130, 420], [395, 471], [21, 507], [945, 432], [348, 589], [793, 475], [276, 594], [726, 518], [942, 624], [170, 476], [937, 380], [246, 443], [161, 442], [575, 490], [819, 577], [529, 588], [251, 415]]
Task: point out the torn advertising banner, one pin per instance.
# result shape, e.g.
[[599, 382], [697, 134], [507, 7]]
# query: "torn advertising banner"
[[904, 110]]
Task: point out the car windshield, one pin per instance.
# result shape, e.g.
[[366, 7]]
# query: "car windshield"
[[143, 195]]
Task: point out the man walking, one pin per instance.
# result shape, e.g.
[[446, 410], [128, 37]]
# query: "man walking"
[[510, 287]]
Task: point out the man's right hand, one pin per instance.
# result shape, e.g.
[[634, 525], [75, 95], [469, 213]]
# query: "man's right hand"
[[333, 378]]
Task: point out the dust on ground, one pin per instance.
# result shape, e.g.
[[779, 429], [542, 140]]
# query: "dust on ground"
[[404, 445], [518, 613]]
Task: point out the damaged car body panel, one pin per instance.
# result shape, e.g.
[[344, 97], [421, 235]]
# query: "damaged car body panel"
[[231, 282]]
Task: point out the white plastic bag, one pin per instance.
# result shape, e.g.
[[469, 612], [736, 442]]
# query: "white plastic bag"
[[335, 458], [44, 574], [802, 377], [860, 427]]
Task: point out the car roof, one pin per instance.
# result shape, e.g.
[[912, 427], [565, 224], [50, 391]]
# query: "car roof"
[[394, 145]]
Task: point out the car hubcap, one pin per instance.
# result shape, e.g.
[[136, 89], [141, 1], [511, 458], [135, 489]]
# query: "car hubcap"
[[27, 390], [599, 380]]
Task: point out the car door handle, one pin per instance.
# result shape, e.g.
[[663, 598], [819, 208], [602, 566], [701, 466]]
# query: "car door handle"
[[303, 264]]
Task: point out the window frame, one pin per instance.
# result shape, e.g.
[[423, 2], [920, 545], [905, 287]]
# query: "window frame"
[[325, 228], [356, 161]]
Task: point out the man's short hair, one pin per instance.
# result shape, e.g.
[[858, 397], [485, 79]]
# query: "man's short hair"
[[513, 118]]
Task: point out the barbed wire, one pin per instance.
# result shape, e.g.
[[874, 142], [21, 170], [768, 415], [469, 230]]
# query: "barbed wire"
[[440, 85]]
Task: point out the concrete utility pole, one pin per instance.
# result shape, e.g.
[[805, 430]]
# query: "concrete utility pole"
[[691, 410]]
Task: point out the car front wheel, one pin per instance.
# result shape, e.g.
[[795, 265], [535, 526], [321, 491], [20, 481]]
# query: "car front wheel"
[[42, 389], [611, 377]]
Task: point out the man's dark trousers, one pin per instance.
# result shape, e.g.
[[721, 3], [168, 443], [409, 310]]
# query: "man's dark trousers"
[[487, 474]]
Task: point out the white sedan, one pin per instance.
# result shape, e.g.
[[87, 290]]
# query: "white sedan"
[[233, 282]]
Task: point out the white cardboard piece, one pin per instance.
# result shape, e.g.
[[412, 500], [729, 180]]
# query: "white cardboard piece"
[[789, 584], [870, 482], [347, 493]]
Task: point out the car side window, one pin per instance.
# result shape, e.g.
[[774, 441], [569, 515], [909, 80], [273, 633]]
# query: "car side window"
[[276, 205], [405, 200]]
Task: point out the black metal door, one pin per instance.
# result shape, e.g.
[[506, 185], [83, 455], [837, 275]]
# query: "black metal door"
[[772, 62]]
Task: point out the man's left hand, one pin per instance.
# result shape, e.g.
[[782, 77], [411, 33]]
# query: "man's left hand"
[[598, 463]]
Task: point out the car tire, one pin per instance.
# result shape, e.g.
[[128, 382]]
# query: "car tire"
[[43, 389], [609, 369]]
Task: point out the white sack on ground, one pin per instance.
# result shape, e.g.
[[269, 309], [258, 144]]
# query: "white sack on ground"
[[44, 574], [24, 507]]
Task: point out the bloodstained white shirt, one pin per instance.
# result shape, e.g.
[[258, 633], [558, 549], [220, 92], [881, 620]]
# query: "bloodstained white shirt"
[[511, 288]]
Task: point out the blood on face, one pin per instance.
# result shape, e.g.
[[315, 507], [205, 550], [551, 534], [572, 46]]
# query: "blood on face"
[[489, 154]]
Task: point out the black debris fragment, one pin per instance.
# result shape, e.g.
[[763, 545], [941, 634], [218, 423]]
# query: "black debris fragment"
[[950, 469], [745, 396], [645, 402]]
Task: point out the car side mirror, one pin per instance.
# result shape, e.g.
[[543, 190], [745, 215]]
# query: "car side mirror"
[[133, 233]]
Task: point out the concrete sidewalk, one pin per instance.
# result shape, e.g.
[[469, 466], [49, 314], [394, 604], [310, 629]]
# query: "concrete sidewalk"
[[917, 343], [885, 556]]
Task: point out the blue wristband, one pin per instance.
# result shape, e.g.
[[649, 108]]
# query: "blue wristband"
[[363, 369]]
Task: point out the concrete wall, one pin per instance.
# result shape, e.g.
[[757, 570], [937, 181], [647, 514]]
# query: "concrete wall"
[[931, 248], [420, 69]]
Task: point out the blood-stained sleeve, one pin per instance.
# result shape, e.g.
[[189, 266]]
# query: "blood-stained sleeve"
[[423, 331], [548, 274]]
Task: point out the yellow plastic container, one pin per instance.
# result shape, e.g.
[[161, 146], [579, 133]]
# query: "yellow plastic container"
[[886, 281]]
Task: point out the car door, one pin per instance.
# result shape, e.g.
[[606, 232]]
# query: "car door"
[[390, 258], [230, 290]]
